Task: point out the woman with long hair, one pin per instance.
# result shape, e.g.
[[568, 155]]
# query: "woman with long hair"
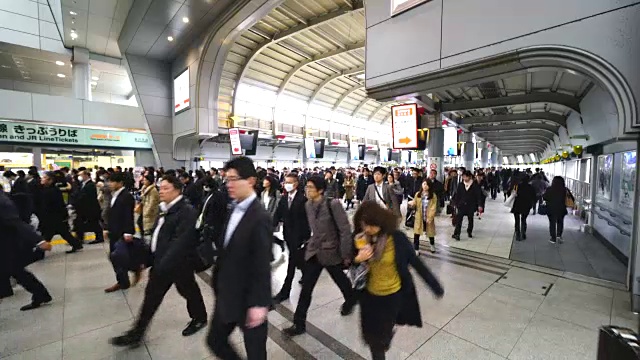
[[426, 204], [270, 194], [525, 196], [396, 187], [389, 296], [556, 198]]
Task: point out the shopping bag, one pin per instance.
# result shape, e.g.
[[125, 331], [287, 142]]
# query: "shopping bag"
[[510, 200], [411, 219]]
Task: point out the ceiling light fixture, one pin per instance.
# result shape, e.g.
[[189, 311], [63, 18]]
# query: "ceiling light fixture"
[[361, 76], [95, 78], [62, 76], [185, 20], [93, 83], [74, 35], [6, 67], [73, 13], [170, 38], [59, 63]]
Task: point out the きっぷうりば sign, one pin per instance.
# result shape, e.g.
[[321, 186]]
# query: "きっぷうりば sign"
[[24, 132], [404, 121]]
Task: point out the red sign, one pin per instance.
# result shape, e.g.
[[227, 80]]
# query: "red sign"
[[433, 166]]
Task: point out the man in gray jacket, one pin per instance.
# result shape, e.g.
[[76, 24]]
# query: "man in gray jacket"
[[330, 247], [382, 193]]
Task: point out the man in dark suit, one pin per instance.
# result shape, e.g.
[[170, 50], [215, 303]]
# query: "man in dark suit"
[[467, 201], [191, 191], [242, 277], [173, 250], [120, 226], [19, 243], [87, 209], [52, 212], [292, 213]]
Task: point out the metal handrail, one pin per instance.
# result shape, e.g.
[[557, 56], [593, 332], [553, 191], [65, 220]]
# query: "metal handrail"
[[611, 222]]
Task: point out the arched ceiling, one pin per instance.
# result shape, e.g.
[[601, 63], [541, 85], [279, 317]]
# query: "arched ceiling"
[[309, 49]]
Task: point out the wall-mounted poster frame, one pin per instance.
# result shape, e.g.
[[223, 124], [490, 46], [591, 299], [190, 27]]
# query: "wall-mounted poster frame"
[[605, 176], [400, 6], [628, 179]]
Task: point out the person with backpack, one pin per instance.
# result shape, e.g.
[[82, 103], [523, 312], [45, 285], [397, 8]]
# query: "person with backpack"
[[329, 247]]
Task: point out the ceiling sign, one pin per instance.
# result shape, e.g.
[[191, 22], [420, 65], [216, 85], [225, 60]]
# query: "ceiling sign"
[[404, 122], [181, 95], [25, 132], [234, 135]]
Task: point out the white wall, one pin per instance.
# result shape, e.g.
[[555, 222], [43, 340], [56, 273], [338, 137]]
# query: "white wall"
[[30, 23], [47, 89], [16, 105]]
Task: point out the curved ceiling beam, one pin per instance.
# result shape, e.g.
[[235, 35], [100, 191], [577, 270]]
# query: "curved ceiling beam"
[[526, 126], [515, 133], [378, 109], [507, 143], [346, 94], [546, 116], [490, 137], [283, 35], [315, 59], [359, 107], [567, 101], [331, 78]]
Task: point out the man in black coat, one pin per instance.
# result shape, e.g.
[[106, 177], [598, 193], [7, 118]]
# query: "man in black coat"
[[20, 244], [120, 226], [292, 213], [173, 250], [242, 276], [191, 191], [53, 213], [87, 209], [466, 200]]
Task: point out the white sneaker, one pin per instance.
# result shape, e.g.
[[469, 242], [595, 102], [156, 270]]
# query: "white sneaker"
[[433, 248], [417, 252]]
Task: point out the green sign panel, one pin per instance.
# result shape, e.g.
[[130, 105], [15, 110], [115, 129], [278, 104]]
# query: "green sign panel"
[[24, 132]]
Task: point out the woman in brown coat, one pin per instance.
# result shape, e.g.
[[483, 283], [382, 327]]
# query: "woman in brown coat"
[[426, 205], [149, 204], [349, 189]]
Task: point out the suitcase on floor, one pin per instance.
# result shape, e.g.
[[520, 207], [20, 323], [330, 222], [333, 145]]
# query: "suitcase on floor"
[[616, 343]]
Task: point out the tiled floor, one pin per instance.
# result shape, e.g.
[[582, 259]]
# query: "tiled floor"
[[493, 309]]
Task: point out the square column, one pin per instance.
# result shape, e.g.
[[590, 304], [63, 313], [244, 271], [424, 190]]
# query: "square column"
[[81, 74]]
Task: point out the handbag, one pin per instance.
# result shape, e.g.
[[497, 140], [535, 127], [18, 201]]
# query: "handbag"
[[542, 209], [450, 209], [568, 200], [357, 274], [411, 219], [510, 200], [205, 251]]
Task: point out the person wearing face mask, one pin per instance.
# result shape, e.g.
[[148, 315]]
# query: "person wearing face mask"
[[292, 213], [87, 209]]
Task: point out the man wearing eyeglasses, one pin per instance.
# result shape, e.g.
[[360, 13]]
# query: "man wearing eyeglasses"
[[242, 276]]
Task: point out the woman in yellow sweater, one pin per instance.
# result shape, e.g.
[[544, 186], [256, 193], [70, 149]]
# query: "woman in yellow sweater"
[[389, 296]]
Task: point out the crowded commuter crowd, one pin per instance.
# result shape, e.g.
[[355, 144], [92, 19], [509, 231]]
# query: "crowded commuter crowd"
[[176, 223]]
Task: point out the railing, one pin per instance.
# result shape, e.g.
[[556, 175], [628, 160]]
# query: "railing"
[[582, 193]]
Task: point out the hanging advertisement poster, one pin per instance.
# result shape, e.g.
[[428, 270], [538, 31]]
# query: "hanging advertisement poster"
[[628, 183], [605, 174]]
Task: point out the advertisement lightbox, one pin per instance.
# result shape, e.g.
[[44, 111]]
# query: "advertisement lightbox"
[[236, 147], [310, 148], [354, 151], [404, 122], [181, 95]]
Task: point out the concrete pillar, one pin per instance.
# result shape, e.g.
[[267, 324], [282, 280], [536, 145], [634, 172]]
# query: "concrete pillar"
[[498, 156], [634, 261], [81, 74], [37, 157], [468, 155], [436, 149], [484, 155], [494, 156]]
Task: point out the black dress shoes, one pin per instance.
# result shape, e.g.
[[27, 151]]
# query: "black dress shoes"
[[193, 327], [96, 242], [347, 308], [294, 330], [280, 298], [36, 303], [75, 249], [130, 339]]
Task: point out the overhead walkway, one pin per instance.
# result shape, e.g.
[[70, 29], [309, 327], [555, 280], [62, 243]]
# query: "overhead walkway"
[[581, 253], [494, 308]]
